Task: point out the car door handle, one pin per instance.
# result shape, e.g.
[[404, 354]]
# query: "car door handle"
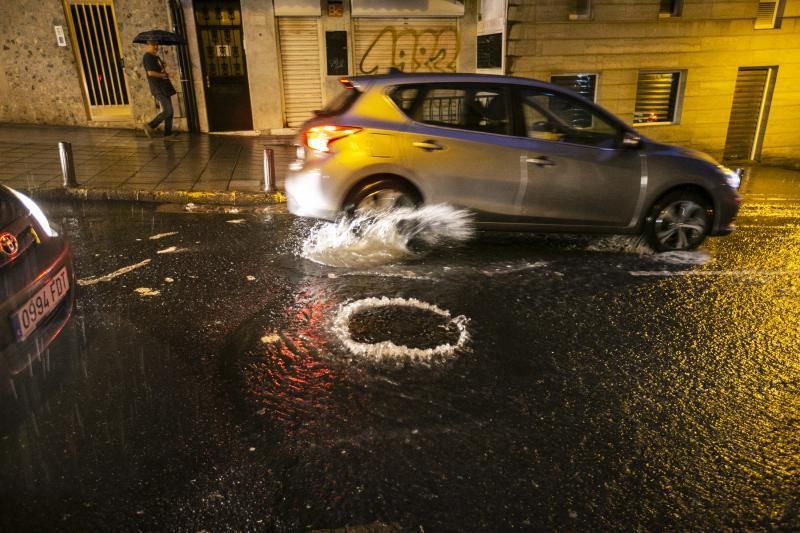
[[428, 145], [540, 161]]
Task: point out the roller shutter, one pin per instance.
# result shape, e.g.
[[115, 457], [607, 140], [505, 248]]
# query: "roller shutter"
[[656, 97], [766, 16], [300, 68], [410, 45], [747, 113]]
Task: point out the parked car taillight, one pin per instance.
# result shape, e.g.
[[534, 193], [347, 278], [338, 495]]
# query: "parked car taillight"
[[319, 138]]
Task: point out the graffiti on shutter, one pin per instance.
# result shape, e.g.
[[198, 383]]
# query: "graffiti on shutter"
[[414, 45]]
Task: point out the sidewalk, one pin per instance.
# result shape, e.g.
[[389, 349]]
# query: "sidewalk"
[[125, 164], [201, 168]]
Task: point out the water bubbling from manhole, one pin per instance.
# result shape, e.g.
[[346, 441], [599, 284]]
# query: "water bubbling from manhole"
[[379, 238], [387, 350]]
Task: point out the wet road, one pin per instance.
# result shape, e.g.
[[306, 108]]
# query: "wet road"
[[547, 382]]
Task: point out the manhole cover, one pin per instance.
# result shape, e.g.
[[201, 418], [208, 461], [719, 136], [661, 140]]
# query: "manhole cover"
[[399, 328]]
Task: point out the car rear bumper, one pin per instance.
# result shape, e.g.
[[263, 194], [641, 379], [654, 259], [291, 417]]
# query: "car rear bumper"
[[308, 196], [47, 260]]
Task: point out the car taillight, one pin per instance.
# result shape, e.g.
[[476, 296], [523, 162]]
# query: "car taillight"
[[319, 138]]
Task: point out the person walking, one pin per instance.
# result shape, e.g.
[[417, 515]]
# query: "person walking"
[[161, 88]]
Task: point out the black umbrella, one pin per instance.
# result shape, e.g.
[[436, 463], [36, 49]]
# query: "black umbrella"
[[160, 37]]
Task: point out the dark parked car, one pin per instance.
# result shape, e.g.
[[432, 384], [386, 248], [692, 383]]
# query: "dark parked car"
[[38, 283], [521, 154]]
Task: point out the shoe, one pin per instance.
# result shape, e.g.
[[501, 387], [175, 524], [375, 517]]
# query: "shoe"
[[171, 137], [148, 131]]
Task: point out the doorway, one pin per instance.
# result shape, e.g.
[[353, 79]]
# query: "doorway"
[[93, 29], [749, 112], [221, 42]]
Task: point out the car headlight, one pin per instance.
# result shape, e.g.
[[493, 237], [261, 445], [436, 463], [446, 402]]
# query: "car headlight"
[[732, 177], [37, 213]]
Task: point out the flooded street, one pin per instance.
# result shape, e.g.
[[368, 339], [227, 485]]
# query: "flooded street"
[[253, 371]]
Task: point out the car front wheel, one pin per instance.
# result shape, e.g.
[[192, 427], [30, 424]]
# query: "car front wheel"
[[679, 221]]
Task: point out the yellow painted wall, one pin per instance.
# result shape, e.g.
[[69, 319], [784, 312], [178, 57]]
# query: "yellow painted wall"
[[711, 40]]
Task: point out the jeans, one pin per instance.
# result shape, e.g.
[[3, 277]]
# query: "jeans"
[[166, 114]]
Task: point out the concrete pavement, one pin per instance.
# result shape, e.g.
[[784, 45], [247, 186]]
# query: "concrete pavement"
[[125, 164]]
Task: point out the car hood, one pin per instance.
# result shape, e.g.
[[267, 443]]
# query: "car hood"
[[669, 149], [10, 207]]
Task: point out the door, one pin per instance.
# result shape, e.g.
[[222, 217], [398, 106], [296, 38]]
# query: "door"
[[221, 41], [96, 44], [301, 68], [749, 112], [574, 172], [460, 146]]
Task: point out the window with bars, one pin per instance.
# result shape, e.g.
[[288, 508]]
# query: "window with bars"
[[583, 84], [769, 15], [670, 8], [580, 10], [658, 97]]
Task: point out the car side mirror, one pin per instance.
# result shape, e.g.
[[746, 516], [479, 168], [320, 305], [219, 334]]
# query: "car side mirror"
[[631, 140]]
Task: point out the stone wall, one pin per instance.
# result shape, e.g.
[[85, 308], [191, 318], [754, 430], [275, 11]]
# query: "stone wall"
[[40, 78], [711, 40], [42, 82]]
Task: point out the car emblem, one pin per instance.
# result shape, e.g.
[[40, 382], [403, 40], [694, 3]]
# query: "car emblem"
[[9, 244]]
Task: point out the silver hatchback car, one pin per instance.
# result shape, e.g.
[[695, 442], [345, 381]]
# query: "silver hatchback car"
[[521, 154]]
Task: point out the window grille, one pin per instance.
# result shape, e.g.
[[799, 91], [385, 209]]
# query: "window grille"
[[657, 97], [768, 16], [580, 10], [670, 8], [97, 47]]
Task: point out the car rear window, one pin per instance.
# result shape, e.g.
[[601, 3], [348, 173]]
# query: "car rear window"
[[340, 103]]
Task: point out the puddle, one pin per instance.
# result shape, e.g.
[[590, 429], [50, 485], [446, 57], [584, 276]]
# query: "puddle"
[[368, 240]]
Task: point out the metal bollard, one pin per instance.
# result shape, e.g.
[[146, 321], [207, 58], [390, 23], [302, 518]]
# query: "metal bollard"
[[67, 164], [269, 170]]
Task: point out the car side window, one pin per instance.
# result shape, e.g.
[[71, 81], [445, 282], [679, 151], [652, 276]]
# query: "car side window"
[[467, 107], [552, 116], [405, 96]]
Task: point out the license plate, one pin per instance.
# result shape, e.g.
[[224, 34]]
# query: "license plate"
[[40, 305]]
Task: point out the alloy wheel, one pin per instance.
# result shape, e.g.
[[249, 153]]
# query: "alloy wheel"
[[681, 225], [384, 200]]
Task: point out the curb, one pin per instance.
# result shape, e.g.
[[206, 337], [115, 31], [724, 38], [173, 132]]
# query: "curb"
[[168, 197]]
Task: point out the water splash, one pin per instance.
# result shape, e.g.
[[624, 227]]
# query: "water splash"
[[631, 244], [380, 238], [637, 244]]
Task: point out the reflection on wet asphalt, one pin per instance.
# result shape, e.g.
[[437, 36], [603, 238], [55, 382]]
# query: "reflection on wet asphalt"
[[602, 386]]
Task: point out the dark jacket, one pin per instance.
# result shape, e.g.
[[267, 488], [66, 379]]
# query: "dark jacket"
[[158, 86]]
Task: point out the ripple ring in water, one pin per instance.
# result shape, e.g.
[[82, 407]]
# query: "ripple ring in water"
[[387, 350]]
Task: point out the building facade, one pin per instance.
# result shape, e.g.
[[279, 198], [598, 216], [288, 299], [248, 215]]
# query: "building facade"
[[717, 75]]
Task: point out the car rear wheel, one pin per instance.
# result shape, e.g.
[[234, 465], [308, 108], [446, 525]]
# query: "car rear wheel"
[[679, 221], [383, 195]]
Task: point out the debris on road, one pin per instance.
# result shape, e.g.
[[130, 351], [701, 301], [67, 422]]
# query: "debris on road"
[[162, 235], [108, 277]]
